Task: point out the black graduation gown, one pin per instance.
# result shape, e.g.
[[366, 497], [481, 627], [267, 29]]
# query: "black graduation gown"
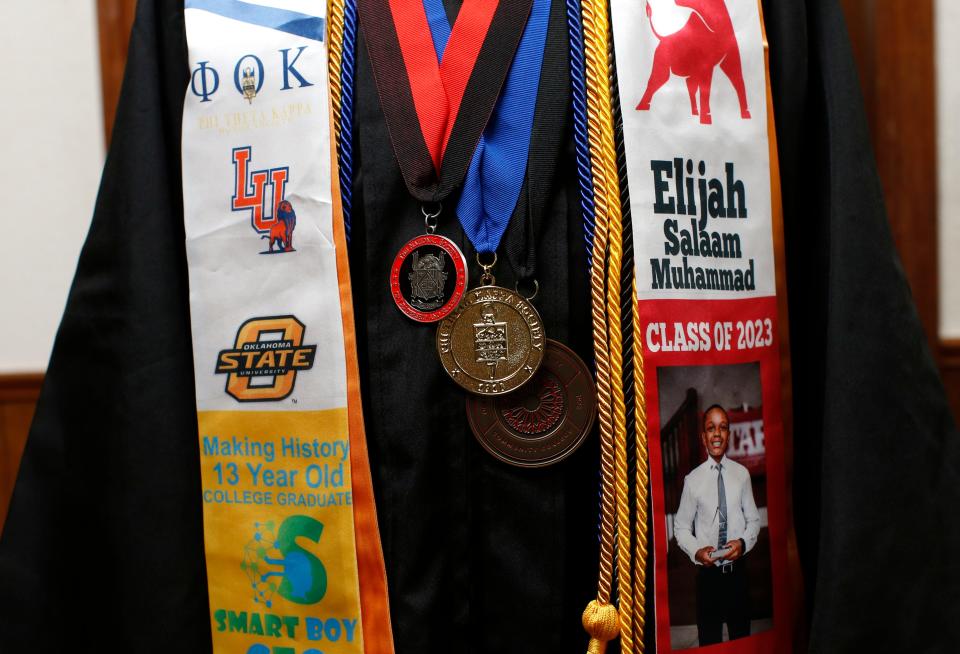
[[103, 546]]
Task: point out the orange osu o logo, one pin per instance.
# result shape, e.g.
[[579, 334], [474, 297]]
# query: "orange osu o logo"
[[262, 366]]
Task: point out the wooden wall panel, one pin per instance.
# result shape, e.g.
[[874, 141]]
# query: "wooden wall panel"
[[18, 396], [950, 370], [893, 45], [114, 20], [894, 49]]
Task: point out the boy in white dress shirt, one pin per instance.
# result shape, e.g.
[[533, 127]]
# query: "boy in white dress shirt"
[[716, 525]]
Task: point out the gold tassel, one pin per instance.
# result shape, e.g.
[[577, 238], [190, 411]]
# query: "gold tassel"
[[602, 622]]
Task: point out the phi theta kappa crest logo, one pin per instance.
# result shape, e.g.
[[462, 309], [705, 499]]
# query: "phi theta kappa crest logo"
[[249, 85]]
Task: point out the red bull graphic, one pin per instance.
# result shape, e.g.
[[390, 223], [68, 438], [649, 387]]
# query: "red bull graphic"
[[260, 193], [705, 41]]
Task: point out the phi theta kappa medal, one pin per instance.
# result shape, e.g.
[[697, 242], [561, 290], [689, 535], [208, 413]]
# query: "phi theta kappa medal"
[[493, 342], [428, 278], [543, 422]]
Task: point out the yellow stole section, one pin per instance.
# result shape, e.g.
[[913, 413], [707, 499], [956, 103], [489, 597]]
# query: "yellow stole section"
[[278, 514]]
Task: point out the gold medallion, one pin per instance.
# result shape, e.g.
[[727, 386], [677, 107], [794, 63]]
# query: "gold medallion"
[[493, 342]]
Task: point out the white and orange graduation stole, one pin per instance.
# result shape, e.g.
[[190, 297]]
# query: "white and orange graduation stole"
[[294, 564]]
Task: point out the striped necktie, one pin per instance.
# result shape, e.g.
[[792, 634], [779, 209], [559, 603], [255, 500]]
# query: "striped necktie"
[[721, 506]]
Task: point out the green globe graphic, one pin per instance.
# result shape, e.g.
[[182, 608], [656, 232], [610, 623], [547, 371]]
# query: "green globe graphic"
[[276, 565], [260, 560]]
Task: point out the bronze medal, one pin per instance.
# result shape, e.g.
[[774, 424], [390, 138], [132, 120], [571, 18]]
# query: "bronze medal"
[[543, 422], [428, 278], [493, 342]]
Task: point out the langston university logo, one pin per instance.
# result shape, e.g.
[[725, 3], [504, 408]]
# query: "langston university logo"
[[261, 194], [705, 41], [262, 365]]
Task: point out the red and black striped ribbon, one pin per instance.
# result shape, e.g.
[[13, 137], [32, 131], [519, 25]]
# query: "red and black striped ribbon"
[[437, 111]]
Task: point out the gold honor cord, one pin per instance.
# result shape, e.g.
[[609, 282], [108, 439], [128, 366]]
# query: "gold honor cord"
[[335, 11], [642, 479], [601, 619], [614, 270]]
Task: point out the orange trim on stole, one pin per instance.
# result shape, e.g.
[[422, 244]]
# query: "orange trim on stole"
[[371, 570]]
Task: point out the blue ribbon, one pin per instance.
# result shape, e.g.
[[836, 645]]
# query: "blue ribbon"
[[578, 98], [493, 181], [283, 20], [345, 128]]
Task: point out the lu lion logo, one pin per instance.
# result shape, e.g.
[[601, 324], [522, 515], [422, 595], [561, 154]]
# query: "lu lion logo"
[[705, 41], [261, 194], [282, 231]]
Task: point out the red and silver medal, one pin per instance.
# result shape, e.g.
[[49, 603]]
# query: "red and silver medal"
[[429, 276]]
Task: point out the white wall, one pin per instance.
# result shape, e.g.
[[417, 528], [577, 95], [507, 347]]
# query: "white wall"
[[948, 139], [51, 155]]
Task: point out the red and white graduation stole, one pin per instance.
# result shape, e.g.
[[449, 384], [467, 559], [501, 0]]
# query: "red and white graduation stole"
[[294, 564], [704, 197]]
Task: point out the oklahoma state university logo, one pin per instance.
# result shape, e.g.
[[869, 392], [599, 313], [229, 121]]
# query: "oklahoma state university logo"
[[260, 193], [262, 366], [705, 41]]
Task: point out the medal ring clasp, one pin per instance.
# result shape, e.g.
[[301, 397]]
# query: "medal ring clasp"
[[487, 278], [536, 289], [430, 217]]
